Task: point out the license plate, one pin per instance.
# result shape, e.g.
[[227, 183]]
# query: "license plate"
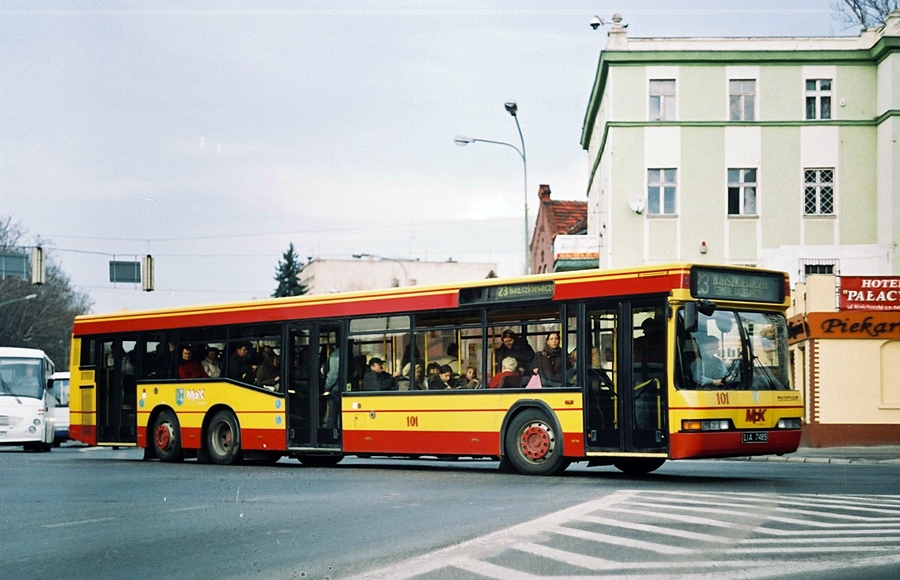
[[755, 437]]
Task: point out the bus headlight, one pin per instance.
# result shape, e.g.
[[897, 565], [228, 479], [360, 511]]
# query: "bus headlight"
[[37, 422], [789, 423], [31, 429], [706, 425]]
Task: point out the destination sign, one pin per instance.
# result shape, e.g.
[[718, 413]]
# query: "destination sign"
[[715, 284], [506, 293]]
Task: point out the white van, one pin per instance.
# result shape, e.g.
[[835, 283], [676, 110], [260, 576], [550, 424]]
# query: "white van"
[[61, 414]]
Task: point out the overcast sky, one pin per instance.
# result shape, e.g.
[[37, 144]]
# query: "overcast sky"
[[213, 134]]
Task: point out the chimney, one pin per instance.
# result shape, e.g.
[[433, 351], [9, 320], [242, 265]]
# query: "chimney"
[[544, 193]]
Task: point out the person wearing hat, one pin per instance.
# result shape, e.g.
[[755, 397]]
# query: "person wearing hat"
[[376, 379], [708, 369]]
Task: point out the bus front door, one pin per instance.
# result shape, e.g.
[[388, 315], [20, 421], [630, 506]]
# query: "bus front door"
[[311, 350], [626, 385]]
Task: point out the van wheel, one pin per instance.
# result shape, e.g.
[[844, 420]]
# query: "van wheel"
[[167, 437], [533, 445], [223, 439]]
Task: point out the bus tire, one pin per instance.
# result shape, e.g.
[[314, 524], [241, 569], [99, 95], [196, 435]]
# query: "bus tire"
[[167, 437], [638, 465], [320, 460], [223, 439], [533, 445]]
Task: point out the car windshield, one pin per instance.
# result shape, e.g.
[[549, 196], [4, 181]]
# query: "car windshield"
[[734, 350], [21, 377]]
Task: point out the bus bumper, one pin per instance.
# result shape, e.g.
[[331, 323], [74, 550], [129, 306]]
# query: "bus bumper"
[[730, 444]]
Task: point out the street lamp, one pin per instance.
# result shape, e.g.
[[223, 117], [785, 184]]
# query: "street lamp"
[[402, 266], [512, 108], [22, 299]]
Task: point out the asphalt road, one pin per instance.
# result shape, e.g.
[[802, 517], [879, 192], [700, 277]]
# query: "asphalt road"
[[82, 512]]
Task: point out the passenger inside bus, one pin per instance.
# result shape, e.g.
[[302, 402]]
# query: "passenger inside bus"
[[239, 367], [211, 364], [189, 367], [549, 362], [268, 374], [508, 377], [516, 347], [469, 380], [376, 379]]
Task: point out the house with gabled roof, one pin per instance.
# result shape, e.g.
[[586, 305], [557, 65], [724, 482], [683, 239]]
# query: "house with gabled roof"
[[559, 233]]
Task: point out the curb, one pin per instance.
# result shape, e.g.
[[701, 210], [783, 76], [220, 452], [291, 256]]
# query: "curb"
[[830, 460]]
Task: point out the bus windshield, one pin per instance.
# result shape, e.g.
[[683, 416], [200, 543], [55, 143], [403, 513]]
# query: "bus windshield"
[[732, 350], [21, 377]]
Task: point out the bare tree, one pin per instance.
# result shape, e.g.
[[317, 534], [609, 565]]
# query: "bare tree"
[[869, 13], [44, 322]]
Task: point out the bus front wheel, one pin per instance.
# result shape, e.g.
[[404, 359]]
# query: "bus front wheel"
[[167, 437], [533, 446], [223, 439]]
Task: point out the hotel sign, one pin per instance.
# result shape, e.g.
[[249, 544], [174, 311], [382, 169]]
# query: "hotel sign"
[[878, 293]]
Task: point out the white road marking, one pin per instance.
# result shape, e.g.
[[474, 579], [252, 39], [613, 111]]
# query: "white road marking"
[[77, 523], [858, 535]]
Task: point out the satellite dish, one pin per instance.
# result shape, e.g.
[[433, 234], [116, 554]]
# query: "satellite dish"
[[636, 204]]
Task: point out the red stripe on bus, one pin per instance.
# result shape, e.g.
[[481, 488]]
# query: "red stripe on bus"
[[728, 444], [474, 443]]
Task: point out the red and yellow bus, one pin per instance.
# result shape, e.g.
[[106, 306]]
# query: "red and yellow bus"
[[680, 361]]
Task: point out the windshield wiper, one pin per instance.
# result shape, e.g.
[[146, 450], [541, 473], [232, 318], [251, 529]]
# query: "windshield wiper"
[[5, 387]]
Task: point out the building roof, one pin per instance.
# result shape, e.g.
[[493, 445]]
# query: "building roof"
[[563, 216]]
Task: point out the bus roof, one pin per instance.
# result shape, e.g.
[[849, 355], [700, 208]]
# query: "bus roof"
[[650, 279], [17, 352]]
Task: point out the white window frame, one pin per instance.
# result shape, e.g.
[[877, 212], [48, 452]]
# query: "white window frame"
[[662, 100], [662, 183], [820, 98], [817, 187], [745, 185], [743, 93]]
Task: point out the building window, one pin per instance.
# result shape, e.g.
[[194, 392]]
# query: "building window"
[[741, 192], [661, 187], [818, 192], [818, 99], [741, 100], [662, 100]]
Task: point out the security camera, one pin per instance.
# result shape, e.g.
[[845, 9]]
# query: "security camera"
[[596, 22]]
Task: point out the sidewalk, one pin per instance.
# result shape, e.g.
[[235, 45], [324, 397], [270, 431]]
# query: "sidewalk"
[[888, 454]]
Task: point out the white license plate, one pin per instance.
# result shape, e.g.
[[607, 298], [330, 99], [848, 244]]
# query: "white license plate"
[[755, 437]]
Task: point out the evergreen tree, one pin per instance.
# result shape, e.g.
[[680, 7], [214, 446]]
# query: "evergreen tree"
[[287, 274]]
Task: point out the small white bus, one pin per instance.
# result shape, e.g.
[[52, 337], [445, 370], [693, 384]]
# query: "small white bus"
[[27, 402]]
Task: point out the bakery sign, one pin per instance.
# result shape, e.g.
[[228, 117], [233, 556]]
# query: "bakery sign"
[[879, 293]]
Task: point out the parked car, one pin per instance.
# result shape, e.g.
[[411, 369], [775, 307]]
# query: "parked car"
[[61, 416]]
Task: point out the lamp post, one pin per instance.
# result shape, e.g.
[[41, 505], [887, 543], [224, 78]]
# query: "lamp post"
[[402, 266], [512, 109], [22, 299]]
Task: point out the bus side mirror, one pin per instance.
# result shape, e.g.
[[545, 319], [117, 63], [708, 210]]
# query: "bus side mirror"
[[690, 317]]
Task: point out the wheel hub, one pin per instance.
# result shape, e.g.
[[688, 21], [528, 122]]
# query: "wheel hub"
[[165, 435], [536, 442]]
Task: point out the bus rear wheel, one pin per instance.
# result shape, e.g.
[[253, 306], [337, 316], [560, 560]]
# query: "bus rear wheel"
[[638, 465], [533, 445], [223, 439], [167, 437]]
